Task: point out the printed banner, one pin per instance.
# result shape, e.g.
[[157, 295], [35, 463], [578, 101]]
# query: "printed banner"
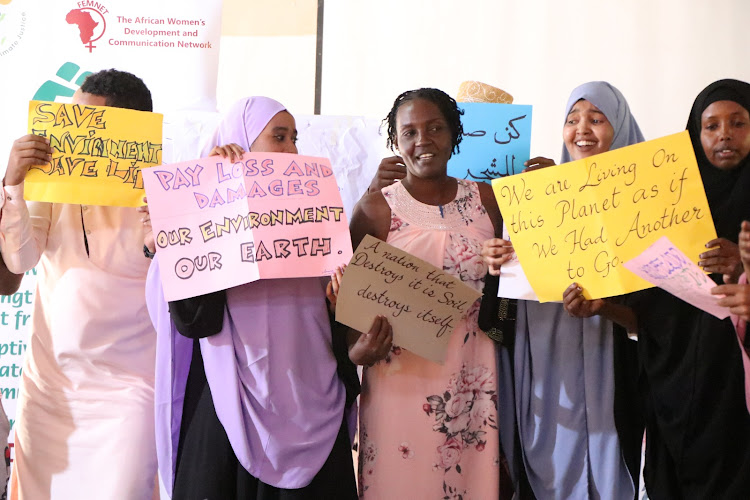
[[421, 302], [496, 141], [578, 222], [125, 35], [219, 224], [667, 267], [172, 45], [97, 153]]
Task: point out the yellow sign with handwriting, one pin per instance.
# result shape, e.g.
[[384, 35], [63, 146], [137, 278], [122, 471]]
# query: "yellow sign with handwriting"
[[580, 221], [97, 153]]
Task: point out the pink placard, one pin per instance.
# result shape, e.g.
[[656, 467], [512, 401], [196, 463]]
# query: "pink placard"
[[220, 224], [667, 267]]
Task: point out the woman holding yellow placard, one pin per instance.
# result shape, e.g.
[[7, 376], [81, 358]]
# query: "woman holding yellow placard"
[[692, 378], [564, 367]]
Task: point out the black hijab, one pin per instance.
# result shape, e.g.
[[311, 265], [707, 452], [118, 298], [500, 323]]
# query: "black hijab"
[[692, 379], [728, 191]]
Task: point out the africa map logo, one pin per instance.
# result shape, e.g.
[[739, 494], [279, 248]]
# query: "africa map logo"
[[89, 17]]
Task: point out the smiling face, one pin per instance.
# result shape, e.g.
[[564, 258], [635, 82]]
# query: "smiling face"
[[587, 131], [725, 134], [423, 137], [279, 135]]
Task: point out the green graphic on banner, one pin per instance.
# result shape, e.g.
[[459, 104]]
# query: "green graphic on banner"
[[50, 90]]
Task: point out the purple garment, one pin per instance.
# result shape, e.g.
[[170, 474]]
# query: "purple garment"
[[244, 122], [272, 375]]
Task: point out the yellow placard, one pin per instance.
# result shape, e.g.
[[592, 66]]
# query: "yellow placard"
[[97, 153], [578, 222]]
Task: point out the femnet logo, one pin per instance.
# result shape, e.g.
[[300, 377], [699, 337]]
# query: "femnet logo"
[[89, 17]]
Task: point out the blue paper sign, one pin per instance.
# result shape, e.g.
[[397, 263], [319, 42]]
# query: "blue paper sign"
[[496, 142]]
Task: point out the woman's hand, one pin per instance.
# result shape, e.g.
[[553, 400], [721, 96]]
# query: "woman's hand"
[[537, 162], [389, 171], [332, 288], [371, 347], [232, 151], [148, 237], [495, 253], [736, 298], [723, 258], [579, 306], [744, 246]]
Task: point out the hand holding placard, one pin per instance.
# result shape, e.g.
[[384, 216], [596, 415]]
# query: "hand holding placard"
[[220, 223], [421, 302], [97, 153], [664, 265], [578, 222]]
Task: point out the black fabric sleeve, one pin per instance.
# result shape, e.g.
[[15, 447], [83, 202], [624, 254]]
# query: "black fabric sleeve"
[[628, 406], [347, 371], [497, 315], [199, 317]]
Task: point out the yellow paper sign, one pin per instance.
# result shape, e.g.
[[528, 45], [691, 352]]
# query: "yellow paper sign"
[[422, 303], [97, 153], [578, 222]]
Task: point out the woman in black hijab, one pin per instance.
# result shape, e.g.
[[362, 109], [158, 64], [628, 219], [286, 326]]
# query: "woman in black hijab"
[[692, 378]]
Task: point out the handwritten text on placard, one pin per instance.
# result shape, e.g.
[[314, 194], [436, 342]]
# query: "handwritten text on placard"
[[578, 222], [219, 224], [97, 153], [422, 302], [665, 266], [496, 141]]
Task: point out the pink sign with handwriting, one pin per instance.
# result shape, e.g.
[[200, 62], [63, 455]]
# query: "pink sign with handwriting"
[[667, 267], [220, 224]]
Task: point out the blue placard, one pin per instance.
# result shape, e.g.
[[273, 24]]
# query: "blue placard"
[[496, 143]]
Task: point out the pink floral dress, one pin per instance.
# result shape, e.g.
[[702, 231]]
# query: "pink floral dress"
[[429, 431]]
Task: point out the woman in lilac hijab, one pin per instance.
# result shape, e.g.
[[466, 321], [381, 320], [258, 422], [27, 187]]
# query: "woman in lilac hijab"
[[249, 400], [575, 397]]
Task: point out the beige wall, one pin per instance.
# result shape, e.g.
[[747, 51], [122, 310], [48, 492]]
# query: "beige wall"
[[659, 53], [268, 48]]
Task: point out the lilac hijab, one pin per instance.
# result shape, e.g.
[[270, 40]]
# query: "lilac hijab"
[[271, 368], [564, 375], [244, 122], [612, 103]]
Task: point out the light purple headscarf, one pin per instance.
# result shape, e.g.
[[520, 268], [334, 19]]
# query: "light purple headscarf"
[[244, 122], [612, 103], [271, 368]]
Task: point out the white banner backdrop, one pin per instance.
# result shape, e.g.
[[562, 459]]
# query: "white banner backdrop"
[[47, 48]]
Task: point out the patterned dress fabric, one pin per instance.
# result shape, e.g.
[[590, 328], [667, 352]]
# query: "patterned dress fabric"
[[429, 430]]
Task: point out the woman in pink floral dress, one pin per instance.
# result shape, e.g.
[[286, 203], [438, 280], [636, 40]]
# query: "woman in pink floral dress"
[[429, 430]]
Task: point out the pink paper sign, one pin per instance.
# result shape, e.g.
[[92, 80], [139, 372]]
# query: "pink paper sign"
[[219, 224], [667, 267]]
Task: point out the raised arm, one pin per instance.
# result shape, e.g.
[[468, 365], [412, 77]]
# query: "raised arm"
[[23, 229], [389, 171], [9, 282]]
